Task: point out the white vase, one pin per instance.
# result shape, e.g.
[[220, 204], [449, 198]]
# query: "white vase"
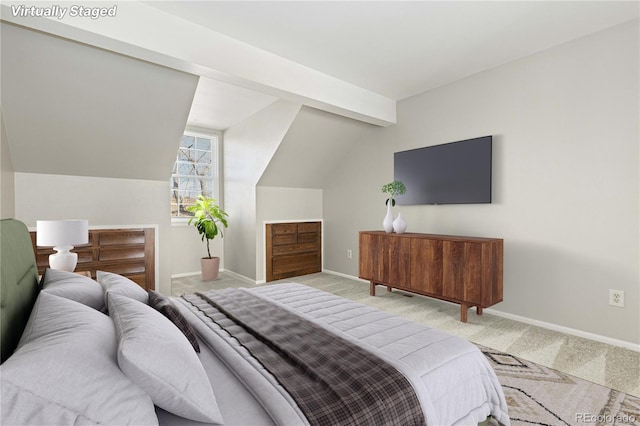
[[387, 223], [399, 225]]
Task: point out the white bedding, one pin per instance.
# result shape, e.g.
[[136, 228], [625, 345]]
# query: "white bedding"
[[454, 382]]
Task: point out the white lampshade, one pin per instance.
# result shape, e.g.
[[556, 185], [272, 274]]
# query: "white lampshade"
[[51, 233], [63, 235]]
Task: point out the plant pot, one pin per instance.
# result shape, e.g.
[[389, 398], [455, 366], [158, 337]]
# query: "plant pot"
[[210, 268]]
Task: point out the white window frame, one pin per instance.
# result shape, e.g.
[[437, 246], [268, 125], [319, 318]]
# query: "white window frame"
[[216, 146]]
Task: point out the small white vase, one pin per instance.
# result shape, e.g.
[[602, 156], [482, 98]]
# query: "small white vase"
[[387, 223], [399, 225]]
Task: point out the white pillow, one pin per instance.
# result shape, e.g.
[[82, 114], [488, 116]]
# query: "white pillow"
[[73, 286], [156, 356], [65, 371], [114, 283]]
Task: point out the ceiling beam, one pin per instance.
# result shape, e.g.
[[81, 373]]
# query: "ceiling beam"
[[144, 32]]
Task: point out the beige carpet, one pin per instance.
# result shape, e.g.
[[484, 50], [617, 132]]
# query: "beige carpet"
[[606, 365]]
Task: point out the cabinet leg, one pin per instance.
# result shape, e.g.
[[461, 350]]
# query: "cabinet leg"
[[479, 310], [372, 289], [463, 312], [389, 289]]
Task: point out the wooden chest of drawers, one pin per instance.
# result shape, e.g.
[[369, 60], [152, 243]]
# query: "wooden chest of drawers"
[[128, 252], [293, 249]]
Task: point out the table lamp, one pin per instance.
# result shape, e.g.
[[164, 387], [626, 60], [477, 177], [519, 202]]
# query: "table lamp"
[[62, 235]]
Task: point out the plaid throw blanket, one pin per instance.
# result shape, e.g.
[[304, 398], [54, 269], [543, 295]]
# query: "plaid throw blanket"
[[333, 381]]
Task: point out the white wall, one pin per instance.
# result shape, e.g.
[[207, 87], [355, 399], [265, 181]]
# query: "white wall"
[[104, 202], [282, 204], [248, 148], [311, 149], [566, 179], [7, 199], [188, 249]]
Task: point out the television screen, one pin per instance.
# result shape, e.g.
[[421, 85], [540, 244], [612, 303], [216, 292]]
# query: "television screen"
[[452, 173]]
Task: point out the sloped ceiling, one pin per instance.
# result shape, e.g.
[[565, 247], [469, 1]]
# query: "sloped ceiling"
[[312, 149], [218, 105], [77, 110]]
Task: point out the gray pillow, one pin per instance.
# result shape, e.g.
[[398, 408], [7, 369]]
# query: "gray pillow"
[[114, 283], [65, 371], [73, 286], [156, 356]]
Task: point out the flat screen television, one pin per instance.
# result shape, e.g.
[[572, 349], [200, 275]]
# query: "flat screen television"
[[451, 173]]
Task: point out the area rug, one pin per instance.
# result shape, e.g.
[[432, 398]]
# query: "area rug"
[[538, 395]]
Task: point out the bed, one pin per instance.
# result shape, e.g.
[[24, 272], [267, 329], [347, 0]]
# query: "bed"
[[81, 351]]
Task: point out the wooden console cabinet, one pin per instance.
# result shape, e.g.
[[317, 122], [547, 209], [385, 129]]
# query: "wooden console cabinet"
[[464, 270]]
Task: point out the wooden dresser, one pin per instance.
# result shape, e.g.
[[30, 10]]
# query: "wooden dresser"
[[463, 270], [129, 252], [293, 249]]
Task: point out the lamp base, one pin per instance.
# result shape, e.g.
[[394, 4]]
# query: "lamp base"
[[63, 260]]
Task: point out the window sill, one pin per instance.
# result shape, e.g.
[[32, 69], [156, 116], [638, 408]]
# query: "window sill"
[[180, 221]]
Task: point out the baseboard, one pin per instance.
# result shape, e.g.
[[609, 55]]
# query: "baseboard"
[[185, 274], [566, 330], [235, 274], [542, 324], [242, 277], [340, 274]]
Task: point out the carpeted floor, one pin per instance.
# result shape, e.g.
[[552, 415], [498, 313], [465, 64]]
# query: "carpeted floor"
[[605, 365]]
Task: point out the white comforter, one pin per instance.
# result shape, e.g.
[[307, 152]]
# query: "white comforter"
[[453, 380]]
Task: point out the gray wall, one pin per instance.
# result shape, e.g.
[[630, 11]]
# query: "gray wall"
[[76, 110], [7, 190], [566, 181]]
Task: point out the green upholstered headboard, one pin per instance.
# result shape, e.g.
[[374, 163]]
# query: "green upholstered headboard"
[[19, 285]]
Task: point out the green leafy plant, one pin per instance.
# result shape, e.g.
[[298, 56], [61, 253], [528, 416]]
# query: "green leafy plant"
[[394, 188], [208, 218]]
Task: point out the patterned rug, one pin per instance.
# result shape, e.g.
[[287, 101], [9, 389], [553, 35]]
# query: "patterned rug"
[[538, 395]]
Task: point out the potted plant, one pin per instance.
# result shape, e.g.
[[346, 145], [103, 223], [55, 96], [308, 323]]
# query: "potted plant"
[[209, 219], [394, 188]]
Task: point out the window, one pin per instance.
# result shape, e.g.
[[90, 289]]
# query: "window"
[[195, 172]]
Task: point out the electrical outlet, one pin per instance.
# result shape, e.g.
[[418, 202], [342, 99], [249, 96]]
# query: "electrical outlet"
[[349, 254], [616, 298]]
